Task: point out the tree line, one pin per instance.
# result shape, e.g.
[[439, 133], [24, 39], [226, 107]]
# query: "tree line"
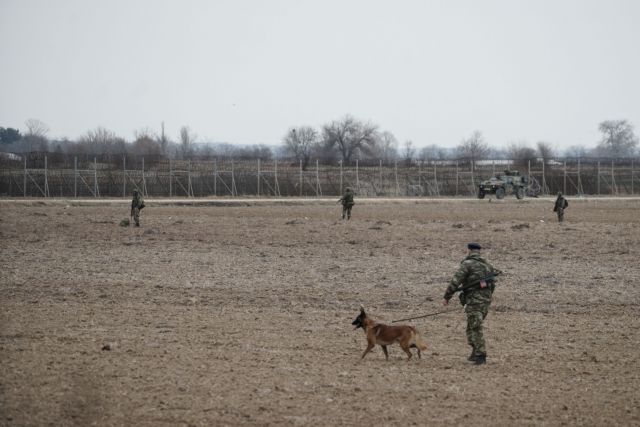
[[345, 139]]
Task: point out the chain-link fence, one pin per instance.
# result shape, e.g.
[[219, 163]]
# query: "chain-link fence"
[[59, 175]]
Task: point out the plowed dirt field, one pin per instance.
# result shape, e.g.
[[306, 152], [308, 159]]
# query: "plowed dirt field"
[[241, 314]]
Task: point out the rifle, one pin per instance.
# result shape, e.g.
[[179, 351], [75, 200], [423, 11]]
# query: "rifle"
[[488, 277]]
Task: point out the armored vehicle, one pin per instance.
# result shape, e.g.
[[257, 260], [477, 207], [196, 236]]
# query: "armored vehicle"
[[511, 182]]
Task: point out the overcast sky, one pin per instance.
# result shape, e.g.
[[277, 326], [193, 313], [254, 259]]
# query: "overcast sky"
[[244, 71]]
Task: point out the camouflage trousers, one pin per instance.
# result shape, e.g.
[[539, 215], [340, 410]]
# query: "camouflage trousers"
[[136, 216], [476, 309], [346, 211], [560, 212]]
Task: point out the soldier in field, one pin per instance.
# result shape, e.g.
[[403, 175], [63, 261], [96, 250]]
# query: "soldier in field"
[[137, 203], [347, 203], [560, 205], [476, 278]]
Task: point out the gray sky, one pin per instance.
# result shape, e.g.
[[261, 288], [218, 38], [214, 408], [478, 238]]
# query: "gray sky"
[[244, 71]]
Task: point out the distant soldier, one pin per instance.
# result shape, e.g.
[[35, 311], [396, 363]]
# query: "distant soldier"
[[476, 279], [137, 203], [560, 205], [347, 203]]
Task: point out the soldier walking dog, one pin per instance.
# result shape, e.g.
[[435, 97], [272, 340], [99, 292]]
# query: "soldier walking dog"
[[476, 278]]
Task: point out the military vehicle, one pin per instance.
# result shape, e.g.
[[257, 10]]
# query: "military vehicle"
[[511, 182]]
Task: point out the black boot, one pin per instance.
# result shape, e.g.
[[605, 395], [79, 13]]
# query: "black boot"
[[480, 359], [472, 356]]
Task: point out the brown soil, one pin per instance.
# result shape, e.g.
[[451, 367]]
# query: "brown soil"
[[241, 314]]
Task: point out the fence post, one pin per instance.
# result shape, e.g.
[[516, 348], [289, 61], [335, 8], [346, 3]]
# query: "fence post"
[[396, 174], [380, 172], [215, 177], [528, 169], [632, 193], [613, 180], [170, 179], [564, 185], [473, 179], [275, 179], [234, 190], [341, 177], [124, 176], [75, 177], [580, 190], [419, 175], [46, 178], [544, 179], [301, 181], [357, 178], [95, 177], [317, 178], [24, 183], [457, 177], [435, 177], [189, 188], [258, 177], [144, 181], [598, 177]]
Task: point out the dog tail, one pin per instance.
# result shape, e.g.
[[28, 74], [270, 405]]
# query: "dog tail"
[[418, 341]]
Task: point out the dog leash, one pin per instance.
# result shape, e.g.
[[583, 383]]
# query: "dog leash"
[[425, 315]]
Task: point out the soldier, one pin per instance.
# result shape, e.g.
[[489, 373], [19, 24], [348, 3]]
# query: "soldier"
[[137, 203], [476, 277], [560, 205], [347, 203]]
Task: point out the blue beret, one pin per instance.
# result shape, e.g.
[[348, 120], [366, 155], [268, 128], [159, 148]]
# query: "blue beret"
[[474, 246]]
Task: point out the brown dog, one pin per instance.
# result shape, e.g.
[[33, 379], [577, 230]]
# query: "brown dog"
[[384, 335]]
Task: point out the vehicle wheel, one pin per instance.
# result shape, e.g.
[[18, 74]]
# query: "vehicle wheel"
[[500, 193], [480, 194], [519, 193]]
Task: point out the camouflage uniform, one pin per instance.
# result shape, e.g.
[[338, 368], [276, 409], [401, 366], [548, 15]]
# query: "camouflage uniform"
[[476, 299], [559, 207], [347, 203], [137, 203]]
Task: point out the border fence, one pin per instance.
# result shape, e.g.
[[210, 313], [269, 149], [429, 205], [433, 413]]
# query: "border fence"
[[59, 175]]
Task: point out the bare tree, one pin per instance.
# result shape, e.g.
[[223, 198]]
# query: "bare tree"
[[145, 144], [387, 147], [408, 153], [35, 138], [350, 136], [618, 139], [101, 141], [433, 152], [473, 148], [187, 139], [36, 128], [545, 152], [521, 153], [301, 142]]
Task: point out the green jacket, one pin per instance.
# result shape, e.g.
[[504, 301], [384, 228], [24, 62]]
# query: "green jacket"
[[471, 269], [347, 199], [137, 201]]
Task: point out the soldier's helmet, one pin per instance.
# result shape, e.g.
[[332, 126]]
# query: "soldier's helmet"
[[348, 189], [135, 192], [559, 193]]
